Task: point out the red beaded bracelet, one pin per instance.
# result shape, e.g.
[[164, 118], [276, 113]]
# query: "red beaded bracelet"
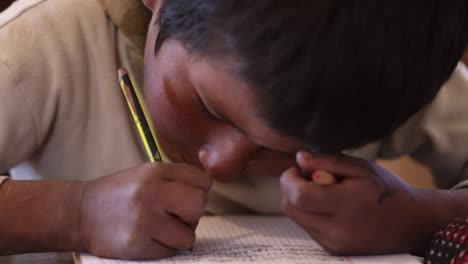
[[450, 244]]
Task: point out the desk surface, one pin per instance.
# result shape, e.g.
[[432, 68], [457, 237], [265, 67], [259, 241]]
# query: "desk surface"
[[40, 258]]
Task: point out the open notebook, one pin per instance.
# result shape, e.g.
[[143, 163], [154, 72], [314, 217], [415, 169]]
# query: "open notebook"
[[254, 239]]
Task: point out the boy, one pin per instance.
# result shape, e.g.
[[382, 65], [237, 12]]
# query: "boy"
[[235, 89]]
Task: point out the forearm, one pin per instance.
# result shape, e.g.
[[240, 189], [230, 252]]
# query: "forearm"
[[456, 201], [440, 208], [39, 216], [445, 205]]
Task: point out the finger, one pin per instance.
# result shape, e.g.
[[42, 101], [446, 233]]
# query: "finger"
[[186, 174], [313, 223], [171, 232], [320, 227], [306, 195], [149, 249], [184, 201], [336, 164]]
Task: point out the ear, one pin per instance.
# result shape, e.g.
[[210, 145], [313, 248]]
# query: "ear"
[[152, 5]]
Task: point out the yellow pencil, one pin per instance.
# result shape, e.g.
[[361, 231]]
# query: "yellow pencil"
[[140, 116]]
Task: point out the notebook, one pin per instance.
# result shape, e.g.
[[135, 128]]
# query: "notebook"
[[254, 239]]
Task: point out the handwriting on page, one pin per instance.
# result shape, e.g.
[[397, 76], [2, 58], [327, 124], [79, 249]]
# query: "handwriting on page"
[[234, 239], [257, 254], [254, 239]]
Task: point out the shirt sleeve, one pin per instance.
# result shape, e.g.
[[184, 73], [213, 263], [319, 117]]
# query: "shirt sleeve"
[[33, 60], [438, 135], [18, 136]]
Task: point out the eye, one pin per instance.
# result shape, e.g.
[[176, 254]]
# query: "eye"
[[205, 110]]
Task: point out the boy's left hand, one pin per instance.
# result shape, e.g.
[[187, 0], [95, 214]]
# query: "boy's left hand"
[[368, 211]]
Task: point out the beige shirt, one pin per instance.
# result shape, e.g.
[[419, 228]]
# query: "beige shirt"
[[63, 116]]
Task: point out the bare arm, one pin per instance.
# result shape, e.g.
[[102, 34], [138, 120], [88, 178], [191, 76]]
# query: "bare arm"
[[39, 216], [146, 212]]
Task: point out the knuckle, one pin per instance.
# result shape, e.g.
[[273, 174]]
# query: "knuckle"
[[289, 186], [284, 180], [289, 172], [137, 199], [284, 184], [148, 193]]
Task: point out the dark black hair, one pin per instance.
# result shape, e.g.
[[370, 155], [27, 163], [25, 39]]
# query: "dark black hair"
[[335, 73]]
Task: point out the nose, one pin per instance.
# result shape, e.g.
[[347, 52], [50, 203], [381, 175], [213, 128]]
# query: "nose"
[[225, 156]]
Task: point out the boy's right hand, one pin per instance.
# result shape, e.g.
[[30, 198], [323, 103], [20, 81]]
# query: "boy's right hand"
[[147, 212]]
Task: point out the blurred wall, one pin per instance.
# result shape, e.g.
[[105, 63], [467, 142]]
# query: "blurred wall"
[[411, 172]]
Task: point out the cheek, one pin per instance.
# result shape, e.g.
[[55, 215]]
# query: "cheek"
[[179, 126]]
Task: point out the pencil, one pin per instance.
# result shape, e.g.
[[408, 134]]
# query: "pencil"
[[321, 177], [140, 116]]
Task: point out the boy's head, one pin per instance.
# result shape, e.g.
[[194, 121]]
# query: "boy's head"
[[328, 75]]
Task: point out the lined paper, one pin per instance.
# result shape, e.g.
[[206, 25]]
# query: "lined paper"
[[254, 239]]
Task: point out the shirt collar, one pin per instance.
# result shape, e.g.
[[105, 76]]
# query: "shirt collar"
[[131, 17]]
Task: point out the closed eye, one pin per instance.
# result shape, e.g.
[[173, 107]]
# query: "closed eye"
[[204, 109], [202, 106]]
